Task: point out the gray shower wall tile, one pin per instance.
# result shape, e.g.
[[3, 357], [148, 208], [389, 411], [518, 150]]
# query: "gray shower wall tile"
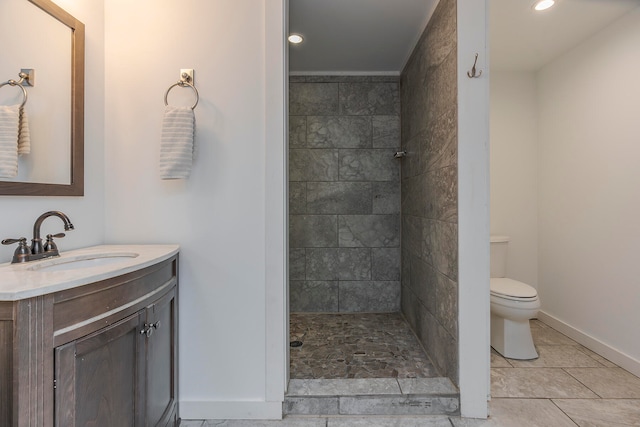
[[442, 194], [297, 131], [440, 247], [443, 86], [361, 296], [412, 234], [343, 79], [429, 189], [339, 198], [386, 132], [414, 196], [441, 148], [338, 132], [313, 165], [372, 231], [297, 261], [405, 267], [368, 165], [338, 264], [341, 165], [413, 161], [423, 283], [297, 197], [441, 34], [444, 347], [385, 264], [307, 99], [386, 197], [447, 304], [414, 95], [308, 231], [408, 306], [377, 98], [314, 296]]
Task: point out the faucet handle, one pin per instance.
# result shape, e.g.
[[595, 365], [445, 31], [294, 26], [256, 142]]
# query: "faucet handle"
[[12, 241], [22, 252], [49, 245]]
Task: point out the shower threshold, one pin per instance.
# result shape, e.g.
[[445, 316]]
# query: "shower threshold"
[[362, 364]]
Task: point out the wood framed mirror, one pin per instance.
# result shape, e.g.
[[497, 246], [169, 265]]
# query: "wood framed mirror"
[[71, 148]]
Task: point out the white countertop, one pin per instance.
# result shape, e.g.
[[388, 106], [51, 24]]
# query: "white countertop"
[[24, 280]]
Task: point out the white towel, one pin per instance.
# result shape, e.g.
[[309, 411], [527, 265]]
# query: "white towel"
[[9, 125], [176, 142], [24, 136]]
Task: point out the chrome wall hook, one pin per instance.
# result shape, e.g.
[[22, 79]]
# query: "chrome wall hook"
[[473, 74]]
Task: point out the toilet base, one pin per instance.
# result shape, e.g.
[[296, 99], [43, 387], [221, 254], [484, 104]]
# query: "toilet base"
[[512, 339]]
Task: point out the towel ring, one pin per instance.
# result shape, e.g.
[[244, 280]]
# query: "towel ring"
[[24, 91], [182, 84]]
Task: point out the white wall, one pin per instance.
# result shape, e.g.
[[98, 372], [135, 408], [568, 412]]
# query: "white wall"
[[514, 169], [473, 209], [86, 213], [590, 189], [218, 215]]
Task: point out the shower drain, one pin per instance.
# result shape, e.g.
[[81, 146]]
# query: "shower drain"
[[295, 344]]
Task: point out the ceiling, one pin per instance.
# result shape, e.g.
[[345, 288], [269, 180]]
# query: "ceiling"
[[355, 36], [377, 36], [522, 39]]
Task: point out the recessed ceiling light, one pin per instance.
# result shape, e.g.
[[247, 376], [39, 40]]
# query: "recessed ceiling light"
[[543, 4], [295, 39]]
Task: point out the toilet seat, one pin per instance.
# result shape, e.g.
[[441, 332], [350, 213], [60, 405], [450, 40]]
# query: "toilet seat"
[[503, 287]]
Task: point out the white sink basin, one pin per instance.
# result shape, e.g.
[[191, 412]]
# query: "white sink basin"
[[83, 261]]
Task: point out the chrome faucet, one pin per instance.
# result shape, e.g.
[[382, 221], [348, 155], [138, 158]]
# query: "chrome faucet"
[[37, 250]]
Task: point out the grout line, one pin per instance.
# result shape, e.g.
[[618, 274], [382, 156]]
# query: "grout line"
[[586, 386], [567, 415]]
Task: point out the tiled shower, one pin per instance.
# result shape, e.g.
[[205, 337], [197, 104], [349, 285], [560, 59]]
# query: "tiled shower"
[[368, 232], [344, 194]]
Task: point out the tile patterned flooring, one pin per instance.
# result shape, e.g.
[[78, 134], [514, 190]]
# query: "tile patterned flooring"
[[379, 345], [567, 386]]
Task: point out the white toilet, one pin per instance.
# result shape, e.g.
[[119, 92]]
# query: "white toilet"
[[513, 303]]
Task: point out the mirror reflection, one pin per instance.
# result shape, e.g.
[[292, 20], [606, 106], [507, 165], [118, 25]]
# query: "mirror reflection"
[[39, 35]]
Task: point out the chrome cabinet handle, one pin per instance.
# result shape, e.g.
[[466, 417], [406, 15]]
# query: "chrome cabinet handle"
[[148, 328]]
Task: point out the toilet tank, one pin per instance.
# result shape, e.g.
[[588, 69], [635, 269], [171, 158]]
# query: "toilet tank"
[[499, 255]]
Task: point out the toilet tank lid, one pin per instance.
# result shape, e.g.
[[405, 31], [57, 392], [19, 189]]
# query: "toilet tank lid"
[[499, 239], [512, 288]]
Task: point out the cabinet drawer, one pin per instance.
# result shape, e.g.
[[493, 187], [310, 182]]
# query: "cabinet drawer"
[[83, 310]]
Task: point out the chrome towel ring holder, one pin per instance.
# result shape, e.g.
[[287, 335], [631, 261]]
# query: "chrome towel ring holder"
[[24, 91], [183, 83]]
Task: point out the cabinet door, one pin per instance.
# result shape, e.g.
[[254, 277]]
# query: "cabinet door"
[[161, 390], [98, 377]]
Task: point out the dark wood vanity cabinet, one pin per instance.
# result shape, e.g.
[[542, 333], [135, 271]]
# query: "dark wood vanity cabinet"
[[108, 359]]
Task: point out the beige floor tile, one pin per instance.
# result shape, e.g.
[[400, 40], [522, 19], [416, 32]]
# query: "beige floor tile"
[[605, 362], [527, 413], [545, 383], [286, 422], [520, 413], [549, 336], [608, 383], [497, 361], [438, 421], [601, 412], [558, 356], [535, 323]]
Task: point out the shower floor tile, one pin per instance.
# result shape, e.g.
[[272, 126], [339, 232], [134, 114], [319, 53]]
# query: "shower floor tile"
[[378, 345]]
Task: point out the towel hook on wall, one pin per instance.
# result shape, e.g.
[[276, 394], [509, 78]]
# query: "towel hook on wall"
[[473, 74]]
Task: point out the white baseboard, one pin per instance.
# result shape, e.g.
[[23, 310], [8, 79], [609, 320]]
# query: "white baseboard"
[[616, 356], [210, 410]]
